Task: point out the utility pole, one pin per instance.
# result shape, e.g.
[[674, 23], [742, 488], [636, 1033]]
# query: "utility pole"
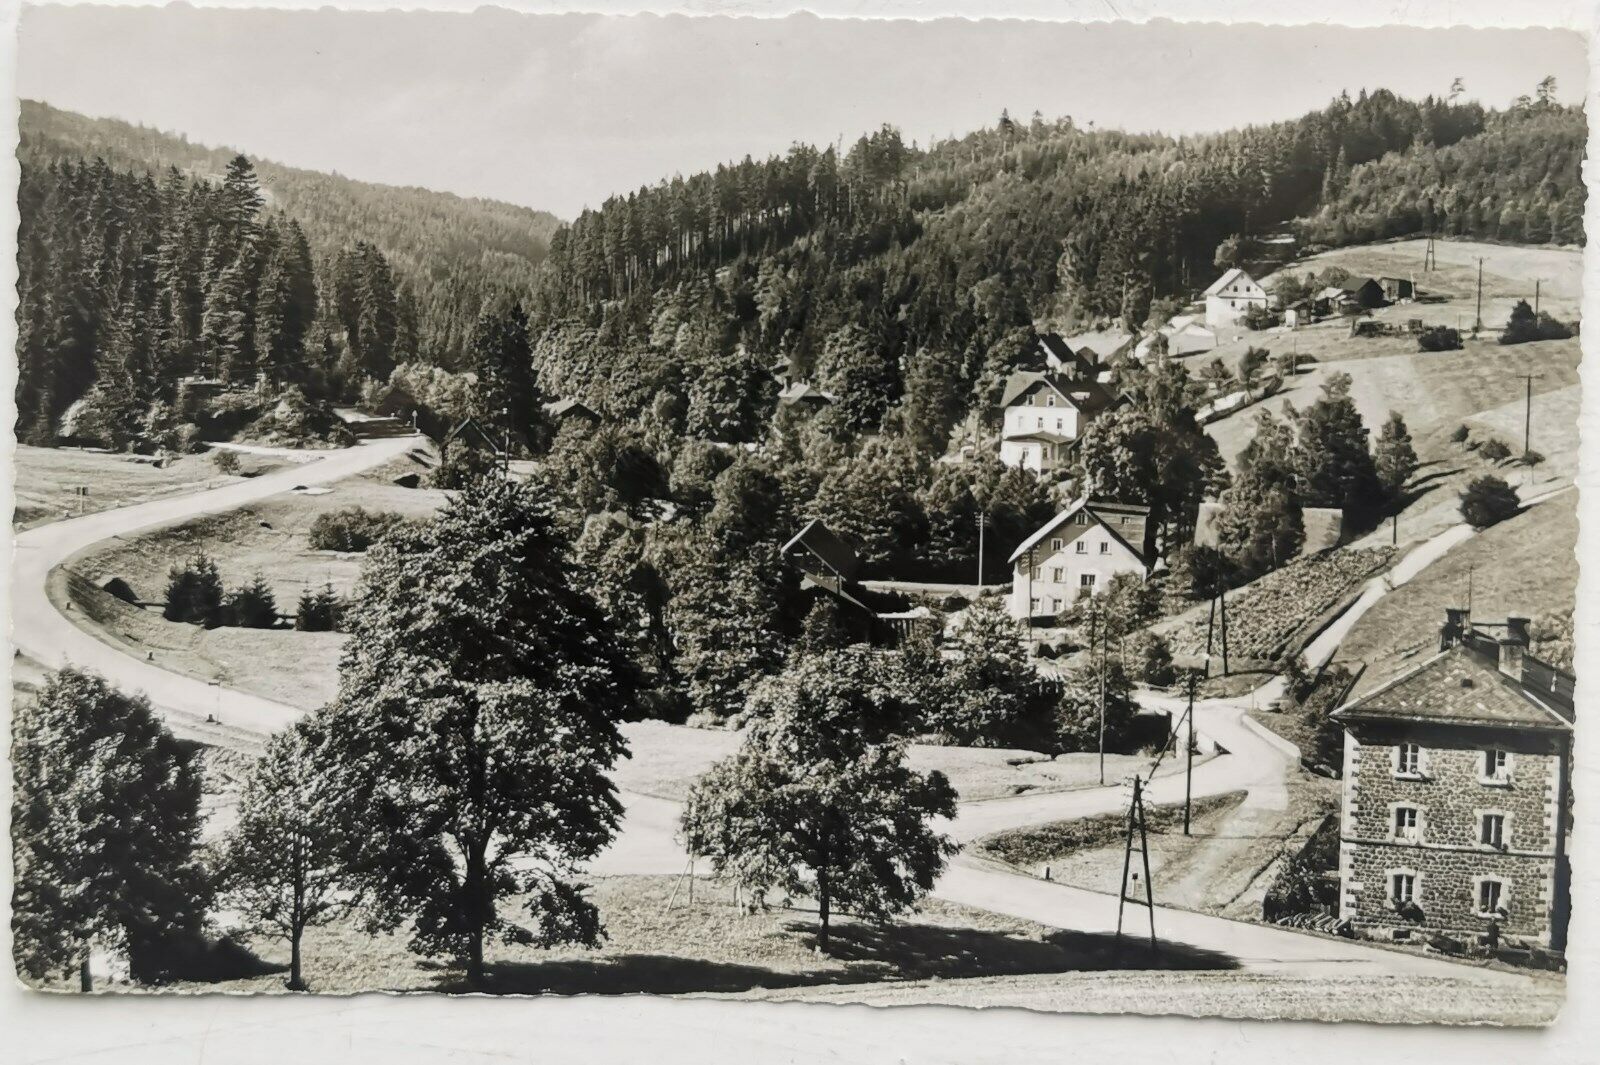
[[1224, 598], [1211, 624], [1136, 818], [1104, 634], [1477, 323], [1188, 768], [980, 548], [1536, 283], [1527, 413], [1394, 529]]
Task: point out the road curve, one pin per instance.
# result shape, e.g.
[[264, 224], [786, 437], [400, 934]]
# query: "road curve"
[[45, 634]]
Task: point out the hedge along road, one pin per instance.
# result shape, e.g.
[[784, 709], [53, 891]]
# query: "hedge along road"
[[46, 634], [646, 842]]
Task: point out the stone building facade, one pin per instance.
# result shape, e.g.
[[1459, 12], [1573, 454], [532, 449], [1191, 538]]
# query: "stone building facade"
[[1457, 779]]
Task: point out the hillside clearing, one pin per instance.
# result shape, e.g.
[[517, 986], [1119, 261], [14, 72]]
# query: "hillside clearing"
[[48, 480], [1524, 566]]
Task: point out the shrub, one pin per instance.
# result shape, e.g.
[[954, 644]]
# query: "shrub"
[[1150, 658], [1531, 457], [350, 529], [253, 606], [462, 465], [1494, 450], [194, 593], [1488, 501], [1524, 325], [1439, 338], [1459, 436], [318, 611], [225, 461], [1300, 886]]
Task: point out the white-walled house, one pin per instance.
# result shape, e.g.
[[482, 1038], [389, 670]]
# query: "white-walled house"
[[1231, 296], [1042, 414], [1077, 552], [1186, 335]]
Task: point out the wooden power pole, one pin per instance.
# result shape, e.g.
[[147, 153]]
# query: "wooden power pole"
[[1477, 323], [1188, 768], [1136, 819]]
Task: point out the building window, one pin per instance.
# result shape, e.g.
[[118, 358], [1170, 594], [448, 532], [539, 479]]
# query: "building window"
[[1407, 825], [1055, 574], [1083, 548], [1408, 760], [1086, 580], [1105, 547], [1492, 830], [1055, 605], [1041, 423], [1492, 895], [1402, 888], [1059, 425], [1496, 767], [1033, 606], [1080, 518], [1056, 544], [1049, 401]]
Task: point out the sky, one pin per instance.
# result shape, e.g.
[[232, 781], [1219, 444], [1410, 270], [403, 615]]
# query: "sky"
[[560, 111]]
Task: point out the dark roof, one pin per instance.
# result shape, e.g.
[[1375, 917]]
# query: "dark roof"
[[1097, 509], [800, 392], [1023, 381], [826, 546], [1356, 284], [1458, 686], [470, 431]]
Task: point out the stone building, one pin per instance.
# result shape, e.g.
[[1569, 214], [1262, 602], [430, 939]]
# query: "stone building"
[[1457, 781]]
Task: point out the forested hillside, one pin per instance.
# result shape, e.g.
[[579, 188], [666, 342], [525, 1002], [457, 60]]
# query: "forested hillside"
[[448, 253], [1520, 180]]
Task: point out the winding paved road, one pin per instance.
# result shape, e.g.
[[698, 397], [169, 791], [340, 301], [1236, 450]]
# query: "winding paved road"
[[47, 635], [1255, 761]]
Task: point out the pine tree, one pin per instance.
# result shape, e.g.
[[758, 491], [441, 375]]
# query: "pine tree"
[[1396, 458]]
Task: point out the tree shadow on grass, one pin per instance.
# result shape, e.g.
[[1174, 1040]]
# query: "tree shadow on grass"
[[869, 954]]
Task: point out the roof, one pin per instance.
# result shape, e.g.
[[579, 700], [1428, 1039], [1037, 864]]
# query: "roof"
[[1457, 686], [1236, 274], [469, 427], [1022, 382], [1332, 292], [1103, 342], [1042, 436], [562, 407], [1092, 506], [800, 392], [1055, 347], [1355, 284], [826, 546]]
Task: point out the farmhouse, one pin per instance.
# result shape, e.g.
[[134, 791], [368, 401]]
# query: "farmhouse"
[[1457, 777], [1043, 414], [828, 566], [1102, 345], [1230, 298], [819, 552], [1077, 552]]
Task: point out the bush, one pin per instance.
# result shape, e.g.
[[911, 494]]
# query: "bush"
[[1460, 434], [194, 593], [1524, 326], [1488, 501], [225, 461], [253, 606], [1150, 658], [318, 611], [462, 465], [350, 529], [1439, 338], [1531, 457], [1300, 886], [1494, 450]]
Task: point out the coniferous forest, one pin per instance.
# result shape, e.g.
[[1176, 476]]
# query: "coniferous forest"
[[907, 281]]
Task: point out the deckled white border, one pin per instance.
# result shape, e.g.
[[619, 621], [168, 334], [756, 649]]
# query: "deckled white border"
[[390, 1029]]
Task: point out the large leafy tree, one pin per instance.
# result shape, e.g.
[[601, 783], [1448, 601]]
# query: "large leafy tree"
[[819, 801], [989, 694], [282, 869], [106, 822], [475, 725]]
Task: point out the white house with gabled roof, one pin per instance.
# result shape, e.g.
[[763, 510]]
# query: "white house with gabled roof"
[[1077, 552], [1043, 414], [1230, 298]]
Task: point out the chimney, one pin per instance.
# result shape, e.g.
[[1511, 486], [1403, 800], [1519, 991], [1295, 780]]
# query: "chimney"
[[1454, 628], [1512, 645]]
